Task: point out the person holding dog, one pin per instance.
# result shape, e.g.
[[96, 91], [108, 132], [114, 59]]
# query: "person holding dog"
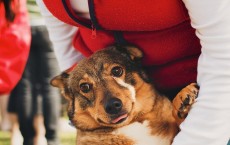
[[182, 41]]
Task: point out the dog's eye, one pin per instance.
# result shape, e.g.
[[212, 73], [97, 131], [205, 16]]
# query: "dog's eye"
[[117, 71], [85, 87]]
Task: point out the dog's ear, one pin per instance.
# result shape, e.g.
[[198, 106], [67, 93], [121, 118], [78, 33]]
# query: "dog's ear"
[[60, 82], [134, 52]]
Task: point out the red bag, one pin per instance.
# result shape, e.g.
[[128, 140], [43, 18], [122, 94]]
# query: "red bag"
[[15, 41]]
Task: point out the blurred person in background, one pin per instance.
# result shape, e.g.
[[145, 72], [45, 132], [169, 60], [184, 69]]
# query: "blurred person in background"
[[15, 40], [34, 100]]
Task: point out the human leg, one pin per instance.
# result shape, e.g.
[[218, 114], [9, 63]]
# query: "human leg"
[[5, 123], [50, 96], [40, 130], [25, 111], [16, 137], [27, 95]]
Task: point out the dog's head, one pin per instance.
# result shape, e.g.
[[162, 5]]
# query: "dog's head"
[[108, 89]]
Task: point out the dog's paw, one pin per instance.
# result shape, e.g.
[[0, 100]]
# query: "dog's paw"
[[183, 101]]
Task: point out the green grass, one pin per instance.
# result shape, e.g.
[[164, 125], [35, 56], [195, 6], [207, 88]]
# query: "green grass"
[[4, 138], [66, 138]]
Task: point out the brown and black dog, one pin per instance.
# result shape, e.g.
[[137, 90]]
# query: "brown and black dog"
[[111, 101]]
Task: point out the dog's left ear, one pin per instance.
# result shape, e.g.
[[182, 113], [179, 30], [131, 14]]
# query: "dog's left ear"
[[60, 80], [134, 52]]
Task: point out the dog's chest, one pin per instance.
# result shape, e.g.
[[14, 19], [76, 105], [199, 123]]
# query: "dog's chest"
[[140, 133]]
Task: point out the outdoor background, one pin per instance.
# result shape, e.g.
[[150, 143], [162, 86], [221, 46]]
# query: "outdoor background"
[[67, 134]]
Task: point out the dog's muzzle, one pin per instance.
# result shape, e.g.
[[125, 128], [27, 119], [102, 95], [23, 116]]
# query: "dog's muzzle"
[[113, 106]]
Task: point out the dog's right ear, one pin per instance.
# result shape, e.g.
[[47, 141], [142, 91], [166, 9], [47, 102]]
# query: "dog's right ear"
[[134, 52]]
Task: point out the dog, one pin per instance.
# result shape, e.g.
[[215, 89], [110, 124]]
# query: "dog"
[[111, 101]]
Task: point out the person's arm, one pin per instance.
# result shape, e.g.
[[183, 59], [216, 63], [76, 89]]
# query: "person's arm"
[[208, 123], [61, 35]]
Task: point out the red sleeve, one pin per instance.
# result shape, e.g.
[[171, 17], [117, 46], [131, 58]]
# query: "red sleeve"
[[14, 47]]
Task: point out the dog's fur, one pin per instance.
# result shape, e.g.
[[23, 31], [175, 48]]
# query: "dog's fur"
[[139, 115]]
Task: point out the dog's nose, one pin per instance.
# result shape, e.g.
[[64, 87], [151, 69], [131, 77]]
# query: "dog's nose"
[[113, 106]]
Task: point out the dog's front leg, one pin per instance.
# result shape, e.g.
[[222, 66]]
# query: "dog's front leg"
[[183, 101]]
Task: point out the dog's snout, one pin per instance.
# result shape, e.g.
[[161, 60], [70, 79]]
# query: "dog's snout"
[[113, 106]]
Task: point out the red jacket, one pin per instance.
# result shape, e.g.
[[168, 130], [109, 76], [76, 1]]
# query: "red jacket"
[[14, 46], [161, 28]]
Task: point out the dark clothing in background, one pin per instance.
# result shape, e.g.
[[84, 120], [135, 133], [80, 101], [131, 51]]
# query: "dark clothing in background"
[[24, 100]]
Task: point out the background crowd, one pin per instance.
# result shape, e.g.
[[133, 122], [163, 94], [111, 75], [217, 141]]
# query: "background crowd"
[[32, 108]]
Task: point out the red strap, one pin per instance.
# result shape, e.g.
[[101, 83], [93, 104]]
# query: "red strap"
[[58, 9]]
